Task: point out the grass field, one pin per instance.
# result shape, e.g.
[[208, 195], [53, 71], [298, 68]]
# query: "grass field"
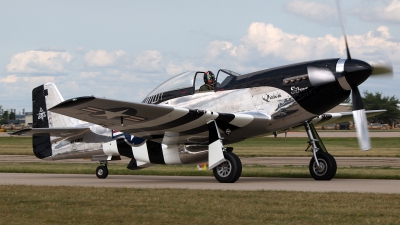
[[85, 205], [16, 146], [260, 146]]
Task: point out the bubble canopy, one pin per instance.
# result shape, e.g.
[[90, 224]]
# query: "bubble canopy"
[[192, 79]]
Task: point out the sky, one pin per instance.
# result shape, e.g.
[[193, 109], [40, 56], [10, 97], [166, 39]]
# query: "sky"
[[124, 49]]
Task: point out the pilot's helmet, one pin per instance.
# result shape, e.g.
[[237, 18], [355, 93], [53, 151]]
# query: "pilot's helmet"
[[208, 75]]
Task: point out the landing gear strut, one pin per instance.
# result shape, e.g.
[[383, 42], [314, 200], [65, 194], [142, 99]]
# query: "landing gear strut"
[[102, 170], [322, 165]]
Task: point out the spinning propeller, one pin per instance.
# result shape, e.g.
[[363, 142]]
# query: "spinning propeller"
[[356, 72], [350, 73]]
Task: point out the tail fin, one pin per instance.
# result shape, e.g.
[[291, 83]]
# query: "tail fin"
[[44, 97]]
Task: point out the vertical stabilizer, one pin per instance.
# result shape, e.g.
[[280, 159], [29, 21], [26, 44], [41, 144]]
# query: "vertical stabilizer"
[[52, 98], [43, 98]]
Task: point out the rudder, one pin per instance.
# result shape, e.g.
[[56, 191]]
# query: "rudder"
[[41, 144]]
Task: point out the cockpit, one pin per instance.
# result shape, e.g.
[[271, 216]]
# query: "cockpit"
[[189, 83]]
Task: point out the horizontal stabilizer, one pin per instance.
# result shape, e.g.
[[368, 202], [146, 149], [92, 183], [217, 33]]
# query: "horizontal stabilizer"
[[56, 132]]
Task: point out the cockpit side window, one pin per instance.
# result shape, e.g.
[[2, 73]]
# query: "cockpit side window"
[[199, 80], [224, 77]]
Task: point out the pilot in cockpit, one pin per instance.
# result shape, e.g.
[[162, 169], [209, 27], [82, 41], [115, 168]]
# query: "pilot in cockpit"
[[209, 79]]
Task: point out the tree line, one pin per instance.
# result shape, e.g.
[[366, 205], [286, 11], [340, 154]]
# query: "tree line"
[[6, 116], [373, 101]]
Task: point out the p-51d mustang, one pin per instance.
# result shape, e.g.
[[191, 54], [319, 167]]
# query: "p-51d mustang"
[[176, 124]]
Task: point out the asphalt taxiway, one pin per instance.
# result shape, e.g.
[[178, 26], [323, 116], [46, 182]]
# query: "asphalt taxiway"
[[206, 183]]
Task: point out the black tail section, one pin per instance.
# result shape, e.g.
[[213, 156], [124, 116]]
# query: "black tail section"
[[41, 144]]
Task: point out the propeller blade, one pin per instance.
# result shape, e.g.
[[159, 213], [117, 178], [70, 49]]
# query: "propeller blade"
[[339, 8], [384, 70], [360, 120]]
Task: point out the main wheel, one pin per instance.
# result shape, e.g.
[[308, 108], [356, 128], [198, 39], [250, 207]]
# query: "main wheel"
[[326, 169], [102, 172], [230, 170]]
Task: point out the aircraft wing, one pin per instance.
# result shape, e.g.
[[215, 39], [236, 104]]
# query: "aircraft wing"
[[160, 123], [57, 132], [330, 118]]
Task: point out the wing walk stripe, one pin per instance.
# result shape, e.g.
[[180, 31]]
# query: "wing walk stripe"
[[225, 117], [182, 120], [174, 115], [242, 120], [193, 124]]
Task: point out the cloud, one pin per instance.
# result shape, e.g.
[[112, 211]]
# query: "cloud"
[[313, 11], [266, 45], [264, 41], [9, 79], [384, 13], [72, 85], [375, 45], [148, 61], [89, 75], [215, 48], [102, 58], [175, 69], [35, 81], [40, 62]]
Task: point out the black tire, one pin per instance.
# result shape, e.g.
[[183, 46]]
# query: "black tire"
[[230, 170], [327, 169], [102, 172]]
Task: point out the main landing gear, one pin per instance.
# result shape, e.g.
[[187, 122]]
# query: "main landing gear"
[[322, 165], [230, 170], [226, 166], [102, 170]]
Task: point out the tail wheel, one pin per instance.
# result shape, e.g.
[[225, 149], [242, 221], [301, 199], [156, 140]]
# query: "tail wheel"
[[102, 172], [326, 169], [230, 170]]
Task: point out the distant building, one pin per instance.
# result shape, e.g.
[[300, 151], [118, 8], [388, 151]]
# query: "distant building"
[[28, 119]]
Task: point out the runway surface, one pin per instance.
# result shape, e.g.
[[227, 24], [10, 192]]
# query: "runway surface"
[[244, 183], [265, 161]]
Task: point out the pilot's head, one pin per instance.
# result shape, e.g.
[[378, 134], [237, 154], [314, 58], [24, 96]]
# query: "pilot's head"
[[209, 77]]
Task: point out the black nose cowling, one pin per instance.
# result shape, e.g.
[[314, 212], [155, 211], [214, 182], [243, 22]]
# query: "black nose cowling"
[[356, 71]]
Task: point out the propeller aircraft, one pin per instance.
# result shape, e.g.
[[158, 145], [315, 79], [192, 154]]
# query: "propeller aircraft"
[[178, 124]]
